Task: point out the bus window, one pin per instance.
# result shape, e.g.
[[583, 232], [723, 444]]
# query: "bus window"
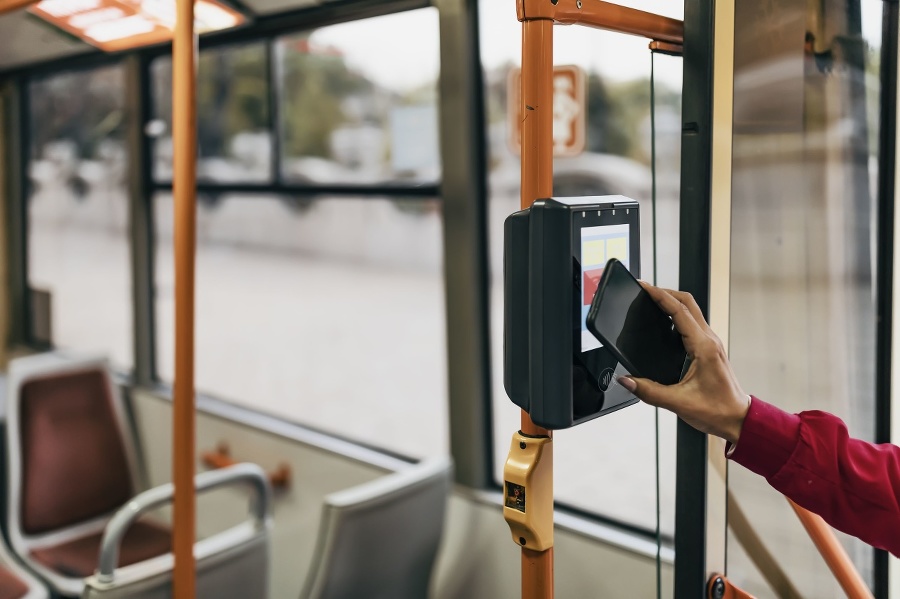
[[78, 210], [233, 139], [325, 312], [354, 110], [606, 467]]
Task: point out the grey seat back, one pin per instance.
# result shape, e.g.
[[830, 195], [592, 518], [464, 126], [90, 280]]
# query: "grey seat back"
[[380, 540], [233, 564], [232, 568]]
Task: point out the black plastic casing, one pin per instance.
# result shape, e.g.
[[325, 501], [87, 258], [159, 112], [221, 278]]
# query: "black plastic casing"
[[545, 371]]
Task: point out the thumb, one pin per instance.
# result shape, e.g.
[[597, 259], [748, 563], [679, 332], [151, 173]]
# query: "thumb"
[[647, 391]]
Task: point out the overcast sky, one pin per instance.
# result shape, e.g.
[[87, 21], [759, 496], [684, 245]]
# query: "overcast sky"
[[401, 51]]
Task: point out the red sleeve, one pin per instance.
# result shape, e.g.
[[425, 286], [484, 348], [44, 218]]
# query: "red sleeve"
[[810, 458]]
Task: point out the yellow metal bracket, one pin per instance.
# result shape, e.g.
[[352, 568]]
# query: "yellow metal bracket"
[[528, 491]]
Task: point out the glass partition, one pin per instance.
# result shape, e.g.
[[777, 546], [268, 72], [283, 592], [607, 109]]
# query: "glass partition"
[[802, 258]]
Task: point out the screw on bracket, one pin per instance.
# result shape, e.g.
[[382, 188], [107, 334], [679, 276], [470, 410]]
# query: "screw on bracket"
[[718, 588]]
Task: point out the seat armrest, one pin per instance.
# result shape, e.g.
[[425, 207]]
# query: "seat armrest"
[[249, 475]]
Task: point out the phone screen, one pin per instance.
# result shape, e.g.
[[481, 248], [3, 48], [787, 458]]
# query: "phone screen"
[[625, 316], [598, 245]]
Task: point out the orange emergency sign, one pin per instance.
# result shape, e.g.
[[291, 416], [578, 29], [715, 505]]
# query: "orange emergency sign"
[[569, 108]]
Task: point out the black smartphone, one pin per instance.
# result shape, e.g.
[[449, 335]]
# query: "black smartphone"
[[628, 321]]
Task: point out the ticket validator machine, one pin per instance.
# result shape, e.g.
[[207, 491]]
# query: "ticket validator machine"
[[554, 368]]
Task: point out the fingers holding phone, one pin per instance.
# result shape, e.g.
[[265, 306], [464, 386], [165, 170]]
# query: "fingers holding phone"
[[637, 329], [685, 319], [708, 397], [685, 298]]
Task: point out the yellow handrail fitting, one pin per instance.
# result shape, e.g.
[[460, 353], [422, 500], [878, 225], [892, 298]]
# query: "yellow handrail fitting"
[[528, 491]]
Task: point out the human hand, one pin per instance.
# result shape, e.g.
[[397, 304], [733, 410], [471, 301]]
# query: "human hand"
[[709, 397]]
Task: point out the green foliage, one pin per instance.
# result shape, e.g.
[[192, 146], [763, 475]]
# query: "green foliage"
[[617, 112], [313, 88], [85, 107], [232, 95]]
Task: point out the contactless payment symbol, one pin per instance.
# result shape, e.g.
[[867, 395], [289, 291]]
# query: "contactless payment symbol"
[[605, 379]]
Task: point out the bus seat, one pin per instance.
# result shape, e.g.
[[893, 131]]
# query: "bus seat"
[[16, 583], [379, 540], [233, 564], [79, 556], [11, 586], [19, 585], [71, 463]]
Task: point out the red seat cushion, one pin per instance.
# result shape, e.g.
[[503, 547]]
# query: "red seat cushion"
[[79, 558], [11, 586], [74, 465]]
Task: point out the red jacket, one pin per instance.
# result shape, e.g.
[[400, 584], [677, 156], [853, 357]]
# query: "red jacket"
[[810, 458]]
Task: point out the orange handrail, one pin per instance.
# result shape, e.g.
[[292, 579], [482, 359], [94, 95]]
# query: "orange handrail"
[[537, 182], [184, 185], [833, 552], [604, 15], [11, 5]]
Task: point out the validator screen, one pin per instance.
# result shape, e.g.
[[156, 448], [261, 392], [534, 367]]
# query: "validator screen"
[[598, 245]]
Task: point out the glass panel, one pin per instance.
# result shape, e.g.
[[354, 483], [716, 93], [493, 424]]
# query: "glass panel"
[[358, 110], [328, 312], [78, 210], [235, 144], [606, 466], [802, 290]]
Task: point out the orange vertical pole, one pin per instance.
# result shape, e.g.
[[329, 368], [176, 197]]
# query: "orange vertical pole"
[[184, 130], [537, 182]]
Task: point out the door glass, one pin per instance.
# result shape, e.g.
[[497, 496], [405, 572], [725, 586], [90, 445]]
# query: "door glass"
[[802, 259]]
